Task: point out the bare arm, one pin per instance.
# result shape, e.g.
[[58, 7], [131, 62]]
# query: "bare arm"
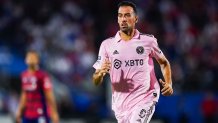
[[100, 73], [50, 99], [166, 71], [97, 77], [21, 106]]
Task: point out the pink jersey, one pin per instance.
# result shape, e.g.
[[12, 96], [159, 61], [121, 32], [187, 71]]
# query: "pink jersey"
[[34, 84], [132, 71]]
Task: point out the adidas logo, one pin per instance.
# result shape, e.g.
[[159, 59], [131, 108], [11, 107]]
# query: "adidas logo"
[[115, 52]]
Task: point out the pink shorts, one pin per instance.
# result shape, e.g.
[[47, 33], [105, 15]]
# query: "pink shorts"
[[140, 114]]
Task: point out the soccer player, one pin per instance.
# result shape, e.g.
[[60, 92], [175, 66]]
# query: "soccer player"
[[127, 57], [37, 103]]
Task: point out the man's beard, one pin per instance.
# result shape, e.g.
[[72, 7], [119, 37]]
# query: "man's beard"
[[126, 30]]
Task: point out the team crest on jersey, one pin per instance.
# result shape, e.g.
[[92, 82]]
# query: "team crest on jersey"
[[140, 50]]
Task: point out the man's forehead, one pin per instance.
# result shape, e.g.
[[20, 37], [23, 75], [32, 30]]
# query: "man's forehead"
[[30, 54], [125, 9]]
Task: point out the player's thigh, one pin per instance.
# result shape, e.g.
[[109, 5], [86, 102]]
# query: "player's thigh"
[[142, 114]]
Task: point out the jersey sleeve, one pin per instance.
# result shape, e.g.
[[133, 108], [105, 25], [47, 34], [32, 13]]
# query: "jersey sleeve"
[[155, 50], [46, 82], [102, 55]]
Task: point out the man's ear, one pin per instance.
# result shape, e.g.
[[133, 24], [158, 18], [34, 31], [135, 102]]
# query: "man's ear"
[[136, 20]]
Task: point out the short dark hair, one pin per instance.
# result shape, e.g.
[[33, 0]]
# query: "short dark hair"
[[128, 3], [32, 52]]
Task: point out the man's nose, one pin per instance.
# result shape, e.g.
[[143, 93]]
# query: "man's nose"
[[123, 19]]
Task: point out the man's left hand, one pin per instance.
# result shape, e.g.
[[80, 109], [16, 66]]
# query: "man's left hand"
[[167, 88]]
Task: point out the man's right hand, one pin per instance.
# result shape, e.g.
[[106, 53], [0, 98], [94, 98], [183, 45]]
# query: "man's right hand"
[[105, 68], [100, 73]]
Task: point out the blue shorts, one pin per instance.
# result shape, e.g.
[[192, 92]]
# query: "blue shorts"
[[37, 120]]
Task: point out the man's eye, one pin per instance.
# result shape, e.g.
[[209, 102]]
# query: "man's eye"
[[128, 15], [119, 15]]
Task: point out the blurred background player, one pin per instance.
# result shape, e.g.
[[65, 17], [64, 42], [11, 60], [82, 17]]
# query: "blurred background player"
[[37, 103], [127, 57]]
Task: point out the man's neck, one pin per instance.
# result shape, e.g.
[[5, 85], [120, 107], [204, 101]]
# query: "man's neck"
[[33, 68], [127, 36]]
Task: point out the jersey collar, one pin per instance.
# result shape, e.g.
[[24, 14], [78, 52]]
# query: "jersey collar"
[[136, 36]]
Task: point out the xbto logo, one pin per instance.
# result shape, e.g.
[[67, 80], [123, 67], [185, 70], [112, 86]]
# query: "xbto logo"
[[136, 62]]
